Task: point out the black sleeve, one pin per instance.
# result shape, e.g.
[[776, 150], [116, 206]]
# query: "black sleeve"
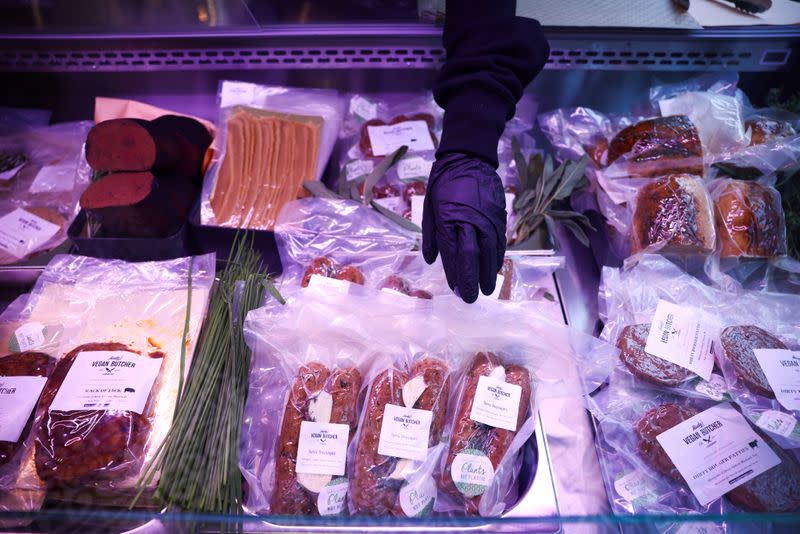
[[491, 56]]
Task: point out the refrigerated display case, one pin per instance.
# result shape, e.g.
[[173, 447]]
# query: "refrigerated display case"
[[59, 56]]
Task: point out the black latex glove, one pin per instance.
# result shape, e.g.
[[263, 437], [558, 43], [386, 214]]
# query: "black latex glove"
[[464, 220]]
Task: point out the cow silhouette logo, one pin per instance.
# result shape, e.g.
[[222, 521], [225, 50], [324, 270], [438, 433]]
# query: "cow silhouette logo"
[[753, 444]]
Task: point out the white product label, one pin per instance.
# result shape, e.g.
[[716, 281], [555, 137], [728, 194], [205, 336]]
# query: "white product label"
[[417, 209], [331, 285], [701, 527], [416, 497], [395, 204], [363, 108], [414, 167], [405, 432], [107, 380], [388, 138], [472, 472], [333, 498], [26, 337], [358, 168], [496, 403], [22, 232], [633, 486], [236, 94], [682, 336], [777, 422], [10, 173], [716, 451], [18, 396], [782, 369], [714, 388], [322, 448], [53, 179], [394, 292]]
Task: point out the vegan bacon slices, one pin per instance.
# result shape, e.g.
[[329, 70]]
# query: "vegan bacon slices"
[[268, 156]]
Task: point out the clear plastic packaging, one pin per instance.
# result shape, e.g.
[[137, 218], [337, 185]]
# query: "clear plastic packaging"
[[739, 321], [30, 351], [91, 448], [277, 138], [15, 119], [42, 179]]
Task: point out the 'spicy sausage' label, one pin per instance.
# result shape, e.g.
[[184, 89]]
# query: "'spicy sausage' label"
[[107, 380], [322, 448], [405, 432], [496, 403], [472, 472], [18, 396]]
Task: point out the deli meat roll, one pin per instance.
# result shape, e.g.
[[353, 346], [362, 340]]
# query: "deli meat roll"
[[317, 395], [476, 443], [379, 478]]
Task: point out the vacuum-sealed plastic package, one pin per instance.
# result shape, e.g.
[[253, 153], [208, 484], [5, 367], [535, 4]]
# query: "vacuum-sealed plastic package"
[[740, 324], [271, 139], [578, 131], [749, 219], [93, 443], [30, 351], [41, 180], [15, 119]]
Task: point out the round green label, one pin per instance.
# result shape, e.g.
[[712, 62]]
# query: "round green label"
[[472, 472]]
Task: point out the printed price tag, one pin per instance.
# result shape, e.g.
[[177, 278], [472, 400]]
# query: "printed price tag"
[[682, 336], [387, 138], [107, 380], [322, 448], [18, 396], [405, 432], [496, 403], [22, 232], [782, 369], [714, 388], [716, 451]]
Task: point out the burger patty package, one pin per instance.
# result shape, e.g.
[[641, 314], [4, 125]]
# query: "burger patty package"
[[41, 179], [30, 351], [665, 454], [93, 442], [421, 389], [340, 242], [270, 141], [700, 331]]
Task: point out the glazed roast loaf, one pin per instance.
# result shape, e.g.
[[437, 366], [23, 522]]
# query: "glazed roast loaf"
[[749, 220], [657, 147], [673, 214], [78, 447]]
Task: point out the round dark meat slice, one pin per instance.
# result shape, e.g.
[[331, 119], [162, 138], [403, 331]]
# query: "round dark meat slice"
[[653, 423], [653, 369], [738, 343], [774, 490]]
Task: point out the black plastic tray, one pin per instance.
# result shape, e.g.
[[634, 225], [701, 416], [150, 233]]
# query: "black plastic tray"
[[129, 248], [219, 239]]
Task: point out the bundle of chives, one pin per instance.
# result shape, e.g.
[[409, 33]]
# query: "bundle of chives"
[[199, 459]]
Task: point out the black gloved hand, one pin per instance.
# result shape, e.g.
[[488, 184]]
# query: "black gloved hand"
[[464, 219]]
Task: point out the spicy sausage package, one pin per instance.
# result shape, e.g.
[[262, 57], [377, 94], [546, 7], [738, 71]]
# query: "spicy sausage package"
[[270, 140], [109, 401], [707, 342]]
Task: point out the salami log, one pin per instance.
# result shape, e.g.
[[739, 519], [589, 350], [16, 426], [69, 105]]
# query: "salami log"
[[472, 437]]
